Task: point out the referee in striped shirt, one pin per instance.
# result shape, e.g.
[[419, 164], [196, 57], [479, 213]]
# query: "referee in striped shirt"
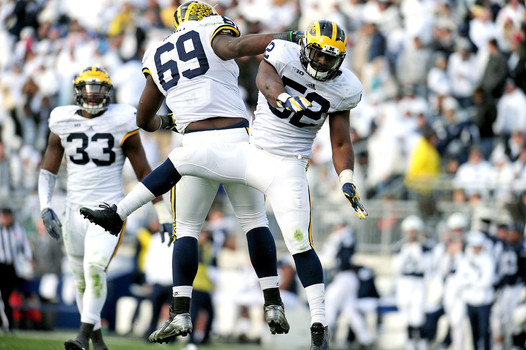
[[13, 244]]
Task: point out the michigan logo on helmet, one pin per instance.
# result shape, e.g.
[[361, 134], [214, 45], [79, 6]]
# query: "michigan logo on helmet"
[[323, 49], [93, 90], [192, 11]]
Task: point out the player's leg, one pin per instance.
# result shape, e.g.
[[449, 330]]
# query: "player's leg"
[[74, 232], [249, 208], [203, 159], [193, 199], [100, 247], [289, 196]]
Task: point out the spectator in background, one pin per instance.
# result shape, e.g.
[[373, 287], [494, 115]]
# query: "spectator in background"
[[409, 73], [484, 113], [47, 255], [422, 169], [446, 259], [438, 82], [511, 112], [410, 262], [461, 73], [456, 132], [472, 178], [15, 262], [157, 255], [511, 284], [495, 71], [342, 291], [476, 273], [288, 282]]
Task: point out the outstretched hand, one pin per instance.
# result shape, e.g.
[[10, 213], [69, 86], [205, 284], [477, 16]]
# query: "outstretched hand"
[[349, 190]]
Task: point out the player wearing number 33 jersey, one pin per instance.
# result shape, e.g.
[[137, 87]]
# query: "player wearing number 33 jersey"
[[91, 145], [95, 137]]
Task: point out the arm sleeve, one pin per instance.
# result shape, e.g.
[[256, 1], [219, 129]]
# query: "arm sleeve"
[[46, 186]]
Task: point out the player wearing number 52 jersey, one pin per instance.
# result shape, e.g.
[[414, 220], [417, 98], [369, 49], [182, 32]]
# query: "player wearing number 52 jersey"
[[95, 137], [300, 87]]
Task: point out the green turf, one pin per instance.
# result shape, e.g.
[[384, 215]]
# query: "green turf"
[[36, 340]]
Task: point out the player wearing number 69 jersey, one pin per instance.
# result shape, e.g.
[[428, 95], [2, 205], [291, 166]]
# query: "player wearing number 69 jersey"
[[95, 137]]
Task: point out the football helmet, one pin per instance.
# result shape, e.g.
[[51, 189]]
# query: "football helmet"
[[192, 11], [93, 89], [323, 49]]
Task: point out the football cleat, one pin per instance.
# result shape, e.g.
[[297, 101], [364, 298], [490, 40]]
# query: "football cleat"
[[275, 317], [323, 49], [319, 337], [93, 90], [107, 218], [176, 325], [73, 344]]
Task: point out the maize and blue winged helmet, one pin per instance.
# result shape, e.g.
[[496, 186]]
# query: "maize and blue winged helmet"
[[192, 11], [93, 89], [323, 49]]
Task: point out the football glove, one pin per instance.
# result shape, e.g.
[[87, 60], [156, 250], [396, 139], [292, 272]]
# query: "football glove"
[[52, 223], [168, 122], [293, 103], [349, 190], [296, 36], [168, 229]]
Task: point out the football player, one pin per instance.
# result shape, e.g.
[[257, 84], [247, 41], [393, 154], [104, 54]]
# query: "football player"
[[193, 69], [300, 87], [95, 137]]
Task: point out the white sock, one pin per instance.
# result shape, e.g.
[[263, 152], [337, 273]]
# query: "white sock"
[[316, 298], [138, 196]]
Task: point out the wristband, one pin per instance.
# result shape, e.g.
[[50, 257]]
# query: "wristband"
[[346, 176], [282, 98], [166, 121], [283, 36]]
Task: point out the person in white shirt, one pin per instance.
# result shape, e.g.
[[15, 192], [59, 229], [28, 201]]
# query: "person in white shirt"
[[511, 111], [475, 276], [409, 265]]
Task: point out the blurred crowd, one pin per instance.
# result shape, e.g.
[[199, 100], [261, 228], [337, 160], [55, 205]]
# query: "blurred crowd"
[[444, 83], [443, 109]]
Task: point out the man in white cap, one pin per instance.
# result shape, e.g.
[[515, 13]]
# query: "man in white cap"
[[475, 276], [410, 263], [446, 258]]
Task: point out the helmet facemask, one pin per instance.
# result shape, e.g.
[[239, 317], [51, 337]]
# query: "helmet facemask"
[[93, 90], [323, 50]]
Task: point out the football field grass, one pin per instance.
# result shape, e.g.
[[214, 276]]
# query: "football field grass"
[[54, 340]]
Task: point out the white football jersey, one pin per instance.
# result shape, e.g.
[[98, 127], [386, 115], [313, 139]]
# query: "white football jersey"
[[94, 156], [196, 82], [281, 132]]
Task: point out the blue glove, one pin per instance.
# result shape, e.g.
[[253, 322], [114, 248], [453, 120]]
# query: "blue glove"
[[296, 36], [168, 122], [293, 103], [349, 190], [166, 228], [52, 223]]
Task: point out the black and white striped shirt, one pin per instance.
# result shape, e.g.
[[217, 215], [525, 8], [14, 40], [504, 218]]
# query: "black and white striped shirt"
[[13, 242]]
